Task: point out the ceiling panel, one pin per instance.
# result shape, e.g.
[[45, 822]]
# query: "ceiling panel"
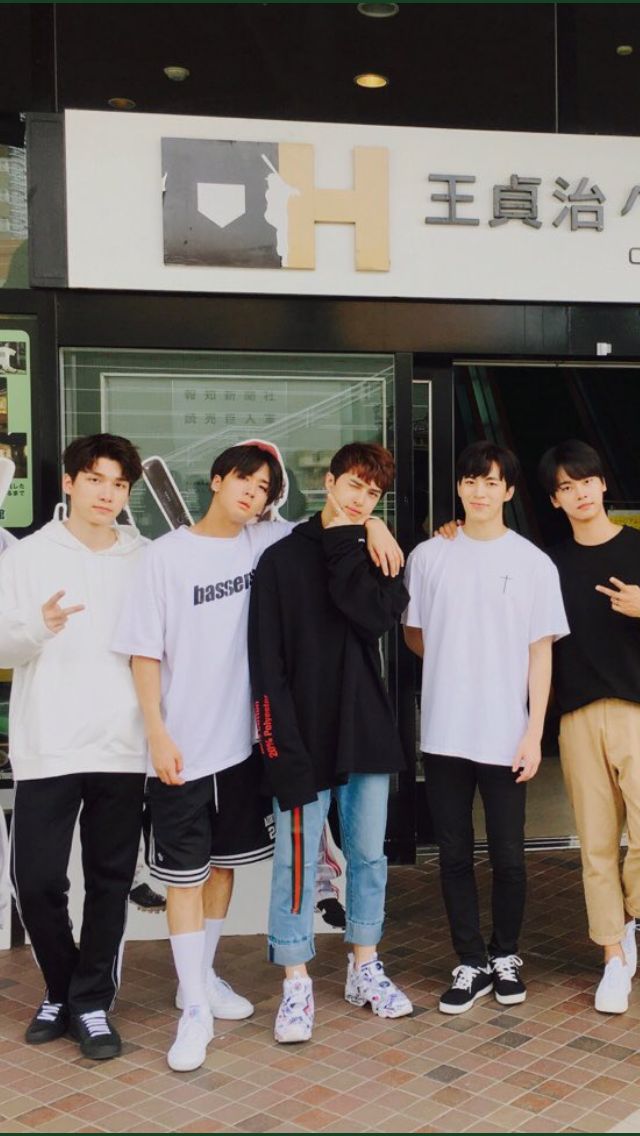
[[476, 66]]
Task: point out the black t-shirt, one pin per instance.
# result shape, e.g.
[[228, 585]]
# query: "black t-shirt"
[[601, 656]]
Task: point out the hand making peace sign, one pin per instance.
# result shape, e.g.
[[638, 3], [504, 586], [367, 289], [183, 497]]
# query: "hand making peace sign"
[[55, 617], [625, 600]]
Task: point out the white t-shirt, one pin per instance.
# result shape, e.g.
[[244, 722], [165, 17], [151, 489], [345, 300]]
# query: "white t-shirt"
[[188, 607], [479, 604]]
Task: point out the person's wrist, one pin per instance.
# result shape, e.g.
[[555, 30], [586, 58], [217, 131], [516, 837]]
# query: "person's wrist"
[[156, 732]]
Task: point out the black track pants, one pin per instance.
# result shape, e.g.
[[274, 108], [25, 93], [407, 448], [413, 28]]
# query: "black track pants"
[[45, 811]]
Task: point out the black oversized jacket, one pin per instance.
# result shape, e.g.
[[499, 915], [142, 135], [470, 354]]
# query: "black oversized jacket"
[[318, 608]]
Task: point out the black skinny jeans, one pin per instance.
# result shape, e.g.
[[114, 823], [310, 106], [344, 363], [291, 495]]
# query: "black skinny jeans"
[[451, 784]]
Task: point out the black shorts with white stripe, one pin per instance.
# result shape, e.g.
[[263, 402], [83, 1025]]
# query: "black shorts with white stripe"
[[220, 821]]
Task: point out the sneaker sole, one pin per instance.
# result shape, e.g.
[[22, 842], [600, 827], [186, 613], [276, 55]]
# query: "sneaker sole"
[[611, 1009], [510, 999], [444, 1008], [378, 1013], [48, 1037], [291, 1040], [103, 1056], [184, 1066], [232, 1015]]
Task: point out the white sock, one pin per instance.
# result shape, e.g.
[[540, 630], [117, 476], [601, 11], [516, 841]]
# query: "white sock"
[[299, 976], [212, 933], [188, 957]]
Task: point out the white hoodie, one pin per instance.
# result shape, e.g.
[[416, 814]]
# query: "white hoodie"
[[73, 706]]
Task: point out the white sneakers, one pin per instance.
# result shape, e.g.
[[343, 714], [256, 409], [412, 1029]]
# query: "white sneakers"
[[294, 1021], [223, 1002], [195, 1028], [195, 1031], [612, 994], [369, 983]]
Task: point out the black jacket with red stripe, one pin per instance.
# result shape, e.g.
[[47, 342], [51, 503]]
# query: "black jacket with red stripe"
[[318, 609]]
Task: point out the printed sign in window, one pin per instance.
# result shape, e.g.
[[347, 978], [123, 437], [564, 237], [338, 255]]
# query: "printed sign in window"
[[16, 511]]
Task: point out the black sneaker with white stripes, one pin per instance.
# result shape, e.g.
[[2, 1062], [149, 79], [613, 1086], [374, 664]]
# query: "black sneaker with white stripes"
[[469, 983], [98, 1039], [51, 1020], [508, 987]]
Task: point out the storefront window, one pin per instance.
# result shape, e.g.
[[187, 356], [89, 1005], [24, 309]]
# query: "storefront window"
[[14, 269], [188, 407]]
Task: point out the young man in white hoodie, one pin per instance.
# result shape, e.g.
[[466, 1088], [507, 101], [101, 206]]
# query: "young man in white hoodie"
[[76, 739]]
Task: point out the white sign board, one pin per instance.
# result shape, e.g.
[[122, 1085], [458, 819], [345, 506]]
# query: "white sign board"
[[191, 204]]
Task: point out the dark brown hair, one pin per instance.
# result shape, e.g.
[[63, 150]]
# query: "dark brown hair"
[[368, 460], [83, 453]]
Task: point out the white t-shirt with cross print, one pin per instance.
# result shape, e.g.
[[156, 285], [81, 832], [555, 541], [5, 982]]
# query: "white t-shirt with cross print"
[[480, 604]]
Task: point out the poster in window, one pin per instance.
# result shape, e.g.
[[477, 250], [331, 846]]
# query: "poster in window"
[[16, 511]]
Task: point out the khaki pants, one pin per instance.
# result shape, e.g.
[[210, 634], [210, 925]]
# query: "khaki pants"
[[600, 756]]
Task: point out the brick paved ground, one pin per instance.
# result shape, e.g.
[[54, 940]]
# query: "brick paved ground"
[[549, 1065]]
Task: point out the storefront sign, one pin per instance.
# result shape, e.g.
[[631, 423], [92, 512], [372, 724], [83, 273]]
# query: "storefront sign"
[[173, 203]]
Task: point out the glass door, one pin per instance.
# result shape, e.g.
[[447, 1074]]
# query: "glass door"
[[186, 407], [529, 407], [431, 505]]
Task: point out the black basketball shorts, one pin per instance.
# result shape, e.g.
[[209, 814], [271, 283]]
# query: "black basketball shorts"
[[216, 821]]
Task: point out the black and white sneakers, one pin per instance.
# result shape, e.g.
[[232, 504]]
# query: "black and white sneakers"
[[469, 984], [502, 975], [50, 1021], [508, 987], [97, 1037]]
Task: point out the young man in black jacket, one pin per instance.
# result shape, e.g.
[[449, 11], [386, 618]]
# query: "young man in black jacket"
[[318, 608]]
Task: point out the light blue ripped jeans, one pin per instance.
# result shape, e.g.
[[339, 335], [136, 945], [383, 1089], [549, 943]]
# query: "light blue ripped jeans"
[[362, 811]]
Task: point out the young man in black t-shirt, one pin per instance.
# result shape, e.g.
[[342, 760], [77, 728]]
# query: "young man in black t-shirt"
[[597, 687]]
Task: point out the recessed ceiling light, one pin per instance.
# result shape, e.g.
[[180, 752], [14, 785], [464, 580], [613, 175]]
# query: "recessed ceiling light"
[[624, 49], [176, 74], [379, 11], [122, 104], [371, 80]]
